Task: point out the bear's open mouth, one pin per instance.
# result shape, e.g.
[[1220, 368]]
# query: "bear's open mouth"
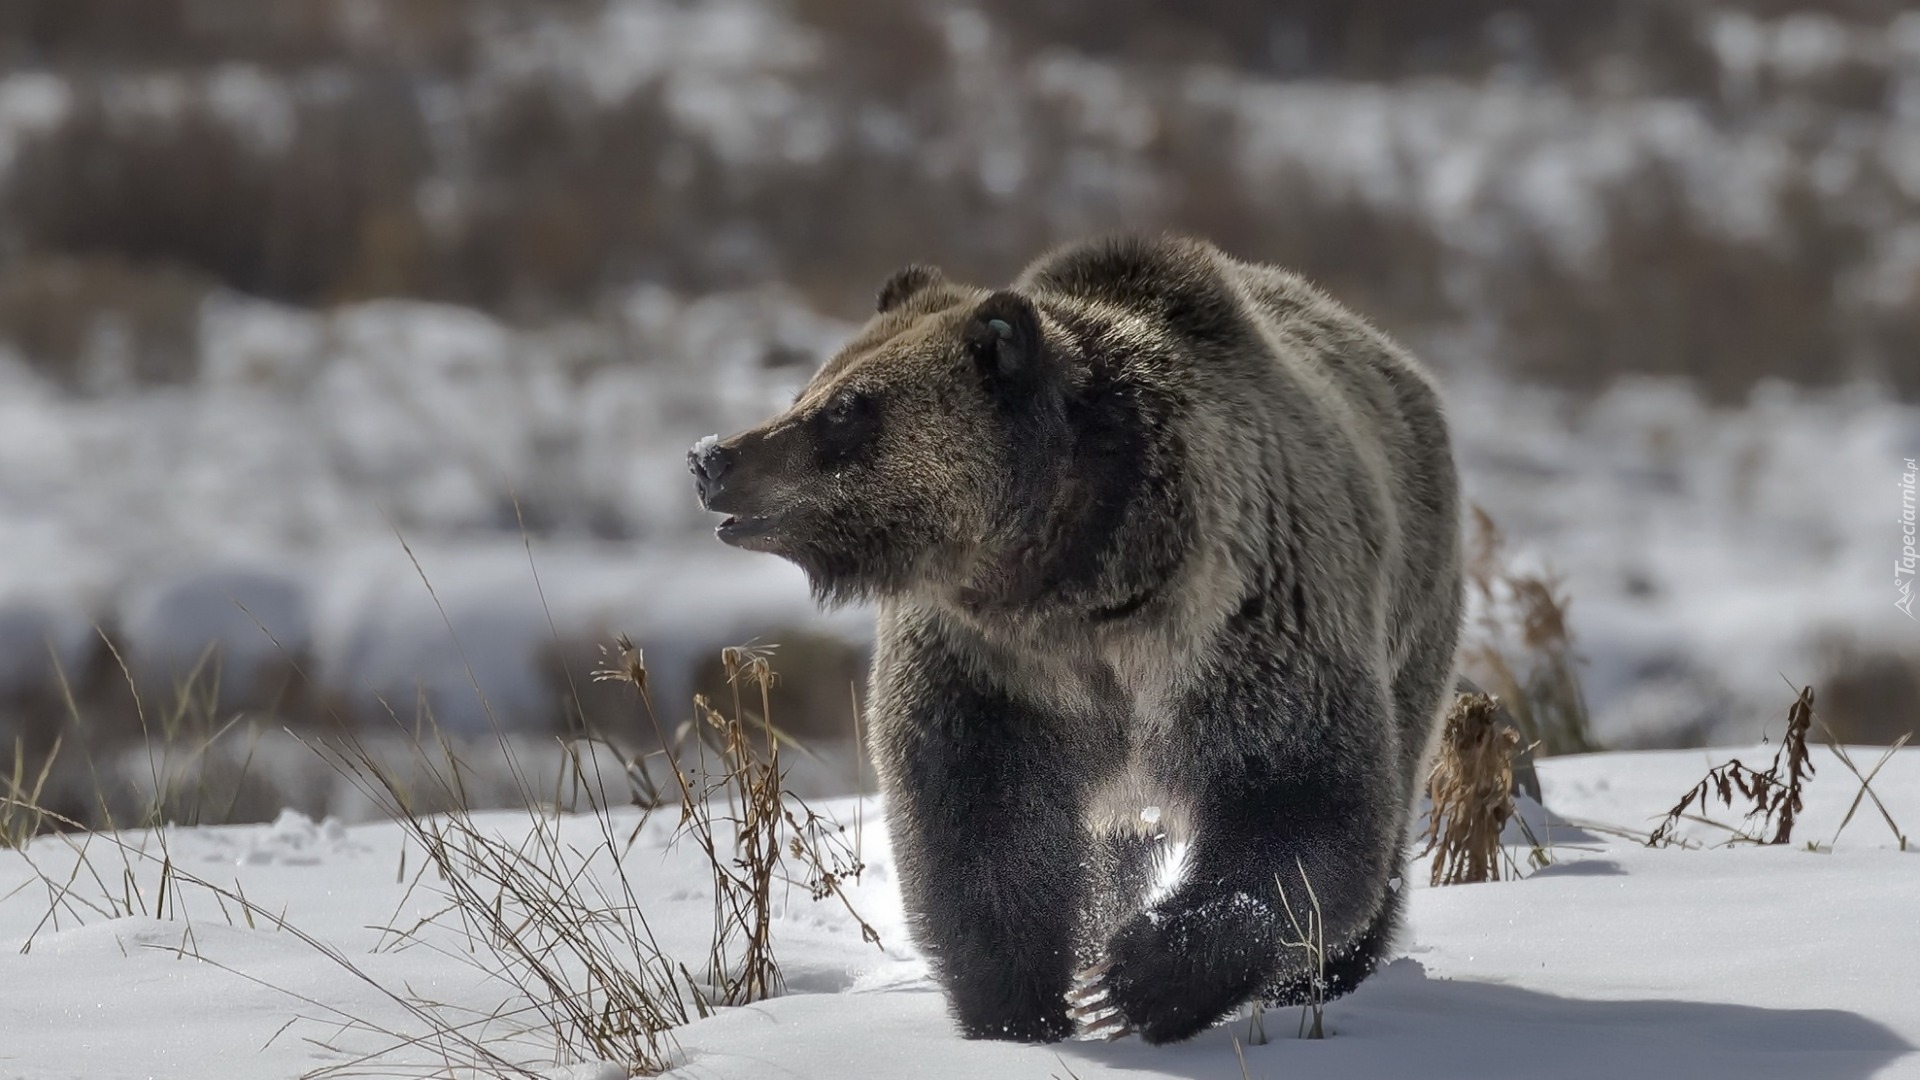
[[738, 528]]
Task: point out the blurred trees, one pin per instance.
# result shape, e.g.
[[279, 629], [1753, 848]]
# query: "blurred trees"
[[320, 151]]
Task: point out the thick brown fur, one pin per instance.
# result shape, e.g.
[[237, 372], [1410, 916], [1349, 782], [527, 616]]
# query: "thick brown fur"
[[1152, 529]]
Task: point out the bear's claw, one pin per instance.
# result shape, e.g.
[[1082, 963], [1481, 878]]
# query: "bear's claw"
[[1090, 1004]]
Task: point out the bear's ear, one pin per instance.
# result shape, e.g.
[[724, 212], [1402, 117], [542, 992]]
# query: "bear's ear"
[[905, 283], [1005, 340]]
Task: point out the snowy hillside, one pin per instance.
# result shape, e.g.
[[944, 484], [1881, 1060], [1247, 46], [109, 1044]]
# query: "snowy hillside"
[[278, 282], [1707, 549], [1778, 963]]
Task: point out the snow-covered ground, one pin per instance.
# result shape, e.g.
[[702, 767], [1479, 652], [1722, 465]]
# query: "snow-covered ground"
[[1776, 963]]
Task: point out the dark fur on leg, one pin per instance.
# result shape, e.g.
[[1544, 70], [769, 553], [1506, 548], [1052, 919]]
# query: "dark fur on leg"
[[987, 795], [1217, 941], [1125, 866], [1347, 967]]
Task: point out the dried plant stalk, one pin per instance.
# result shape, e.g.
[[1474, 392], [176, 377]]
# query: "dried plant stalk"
[[737, 811], [1311, 938], [1773, 796], [1521, 646], [1472, 792]]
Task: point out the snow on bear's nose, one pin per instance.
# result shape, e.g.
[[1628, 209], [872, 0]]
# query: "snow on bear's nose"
[[709, 462]]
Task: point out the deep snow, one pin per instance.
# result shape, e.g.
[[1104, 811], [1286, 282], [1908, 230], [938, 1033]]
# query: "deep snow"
[[1617, 961]]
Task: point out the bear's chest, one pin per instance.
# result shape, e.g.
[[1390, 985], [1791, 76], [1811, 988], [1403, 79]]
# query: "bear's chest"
[[1139, 792], [1137, 797]]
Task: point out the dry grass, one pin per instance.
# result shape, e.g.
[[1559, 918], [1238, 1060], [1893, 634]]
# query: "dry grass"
[[22, 817], [550, 918], [542, 910], [744, 799], [556, 921], [189, 760], [1471, 788], [1866, 787], [225, 741], [462, 1044], [128, 739], [1521, 646], [1312, 940], [1772, 797]]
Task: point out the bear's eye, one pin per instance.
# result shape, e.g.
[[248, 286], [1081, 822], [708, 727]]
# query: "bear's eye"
[[846, 427], [845, 406]]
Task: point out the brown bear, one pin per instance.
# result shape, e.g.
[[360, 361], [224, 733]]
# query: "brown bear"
[[1165, 547]]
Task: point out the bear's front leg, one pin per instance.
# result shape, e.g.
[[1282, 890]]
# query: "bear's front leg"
[[984, 806], [1295, 788]]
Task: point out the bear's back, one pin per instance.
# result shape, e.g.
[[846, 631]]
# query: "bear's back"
[[1302, 399]]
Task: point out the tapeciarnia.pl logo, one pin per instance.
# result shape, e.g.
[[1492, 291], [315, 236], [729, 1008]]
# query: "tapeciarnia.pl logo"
[[1904, 566]]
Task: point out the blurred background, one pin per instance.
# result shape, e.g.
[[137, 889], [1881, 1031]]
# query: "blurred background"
[[349, 350]]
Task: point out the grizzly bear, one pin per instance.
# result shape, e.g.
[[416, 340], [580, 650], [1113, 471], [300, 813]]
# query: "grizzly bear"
[[1165, 548]]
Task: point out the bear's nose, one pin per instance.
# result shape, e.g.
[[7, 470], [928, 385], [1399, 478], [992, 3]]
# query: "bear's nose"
[[709, 463]]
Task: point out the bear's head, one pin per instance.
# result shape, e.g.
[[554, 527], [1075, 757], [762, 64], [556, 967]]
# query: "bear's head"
[[916, 452]]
